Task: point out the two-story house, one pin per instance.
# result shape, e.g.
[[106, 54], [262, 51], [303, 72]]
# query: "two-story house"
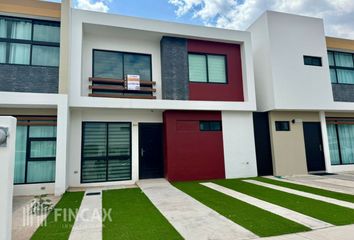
[[304, 96], [155, 99], [32, 47]]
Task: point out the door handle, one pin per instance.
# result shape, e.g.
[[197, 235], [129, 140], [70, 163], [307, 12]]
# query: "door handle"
[[142, 152], [320, 146]]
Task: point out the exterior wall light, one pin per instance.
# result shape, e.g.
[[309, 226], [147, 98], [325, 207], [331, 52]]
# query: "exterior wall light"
[[3, 136]]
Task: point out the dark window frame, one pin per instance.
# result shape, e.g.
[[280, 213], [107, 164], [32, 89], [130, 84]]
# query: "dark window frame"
[[209, 129], [312, 63], [28, 159], [338, 141], [30, 42], [335, 67], [279, 128], [207, 67], [107, 157], [123, 53]]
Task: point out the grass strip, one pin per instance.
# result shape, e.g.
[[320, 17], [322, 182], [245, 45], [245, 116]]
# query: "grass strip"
[[318, 191], [61, 220], [133, 216], [331, 213], [257, 220]]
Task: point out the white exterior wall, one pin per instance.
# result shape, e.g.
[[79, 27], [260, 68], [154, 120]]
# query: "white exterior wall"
[[47, 101], [239, 145], [7, 156], [106, 115], [123, 40], [283, 81], [88, 26]]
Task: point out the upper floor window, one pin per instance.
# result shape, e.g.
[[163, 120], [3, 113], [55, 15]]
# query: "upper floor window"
[[207, 68], [341, 66], [116, 65], [312, 61], [29, 42]]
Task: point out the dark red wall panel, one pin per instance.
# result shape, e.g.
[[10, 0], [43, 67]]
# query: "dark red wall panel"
[[233, 90], [191, 154]]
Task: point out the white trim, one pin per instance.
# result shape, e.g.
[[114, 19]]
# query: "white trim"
[[325, 143]]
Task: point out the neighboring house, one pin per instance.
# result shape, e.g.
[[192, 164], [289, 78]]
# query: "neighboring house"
[[30, 49], [304, 88], [84, 121]]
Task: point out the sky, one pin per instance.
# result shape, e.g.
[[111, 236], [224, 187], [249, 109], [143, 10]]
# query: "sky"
[[338, 15]]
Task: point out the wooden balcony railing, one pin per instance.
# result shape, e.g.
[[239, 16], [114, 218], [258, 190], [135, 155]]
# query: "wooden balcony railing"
[[117, 88]]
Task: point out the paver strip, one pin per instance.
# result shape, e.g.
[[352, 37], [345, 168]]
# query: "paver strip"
[[305, 220], [190, 218], [88, 222], [303, 194], [336, 181], [313, 182]]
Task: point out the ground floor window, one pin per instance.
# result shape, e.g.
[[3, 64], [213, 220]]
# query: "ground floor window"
[[35, 152], [106, 152], [341, 140]]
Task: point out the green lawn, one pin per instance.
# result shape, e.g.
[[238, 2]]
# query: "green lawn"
[[331, 194], [60, 228], [261, 222], [327, 212], [134, 217]]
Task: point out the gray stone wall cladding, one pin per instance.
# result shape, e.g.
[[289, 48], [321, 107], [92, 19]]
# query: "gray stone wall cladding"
[[343, 92], [174, 68], [35, 79]]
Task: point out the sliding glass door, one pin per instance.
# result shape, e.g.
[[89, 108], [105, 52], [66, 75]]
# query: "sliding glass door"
[[35, 153], [341, 141], [106, 152]]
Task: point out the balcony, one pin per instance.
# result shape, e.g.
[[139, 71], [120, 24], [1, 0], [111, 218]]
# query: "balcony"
[[118, 88]]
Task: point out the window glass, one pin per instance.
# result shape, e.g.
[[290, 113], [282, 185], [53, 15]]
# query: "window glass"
[[330, 58], [20, 155], [282, 126], [43, 131], [43, 149], [19, 53], [106, 152], [46, 33], [2, 52], [20, 29], [333, 75], [346, 139], [137, 64], [333, 144], [343, 59], [41, 171], [108, 64], [3, 28], [216, 69], [197, 68], [312, 61], [345, 76], [210, 125], [45, 56]]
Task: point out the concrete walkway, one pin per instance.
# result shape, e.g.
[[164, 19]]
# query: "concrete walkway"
[[189, 217], [88, 222], [315, 181], [24, 223], [332, 233], [278, 210], [303, 194]]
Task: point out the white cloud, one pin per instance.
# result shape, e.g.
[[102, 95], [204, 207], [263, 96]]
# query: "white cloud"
[[93, 5], [338, 15]]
